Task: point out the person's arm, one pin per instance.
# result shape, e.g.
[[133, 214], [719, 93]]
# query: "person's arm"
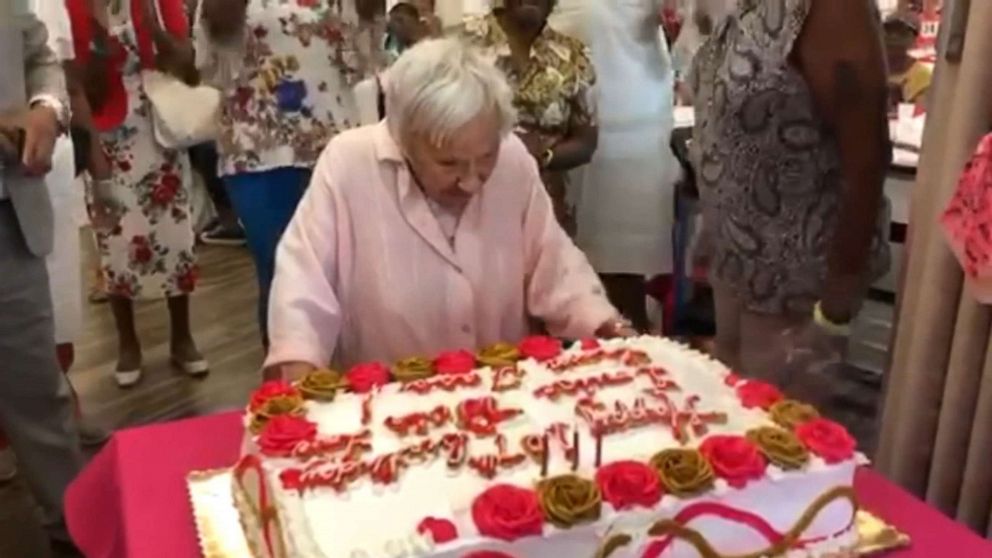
[[580, 144], [848, 81], [562, 289], [173, 48], [97, 163], [304, 312], [223, 20], [46, 90]]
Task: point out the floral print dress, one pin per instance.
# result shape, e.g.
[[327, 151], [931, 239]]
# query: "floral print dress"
[[150, 253], [553, 94], [288, 82]]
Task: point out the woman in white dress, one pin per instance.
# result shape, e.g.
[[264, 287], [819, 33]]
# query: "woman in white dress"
[[625, 196]]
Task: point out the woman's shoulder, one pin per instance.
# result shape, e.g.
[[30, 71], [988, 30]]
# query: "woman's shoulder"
[[480, 30], [516, 167], [351, 154], [568, 42], [773, 25]]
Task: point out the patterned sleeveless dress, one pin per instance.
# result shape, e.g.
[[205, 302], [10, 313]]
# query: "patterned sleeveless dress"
[[768, 169]]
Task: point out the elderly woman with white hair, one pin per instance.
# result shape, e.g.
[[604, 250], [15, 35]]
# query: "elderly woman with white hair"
[[428, 231]]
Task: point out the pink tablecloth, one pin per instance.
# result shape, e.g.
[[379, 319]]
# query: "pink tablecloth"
[[131, 501]]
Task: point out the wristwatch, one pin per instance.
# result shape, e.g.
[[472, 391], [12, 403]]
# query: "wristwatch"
[[547, 157]]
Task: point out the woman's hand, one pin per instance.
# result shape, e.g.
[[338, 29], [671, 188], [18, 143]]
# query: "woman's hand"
[[41, 129], [288, 371], [9, 144], [105, 210], [224, 19], [616, 328], [173, 55]]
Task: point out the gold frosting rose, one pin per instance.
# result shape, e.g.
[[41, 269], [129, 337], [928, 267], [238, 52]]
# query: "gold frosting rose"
[[499, 355], [789, 413], [413, 369], [781, 447], [683, 471], [320, 385], [281, 405], [568, 500]]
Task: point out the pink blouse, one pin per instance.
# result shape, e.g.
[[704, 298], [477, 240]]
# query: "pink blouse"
[[365, 273]]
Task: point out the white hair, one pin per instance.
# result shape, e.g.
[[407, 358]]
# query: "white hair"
[[439, 85]]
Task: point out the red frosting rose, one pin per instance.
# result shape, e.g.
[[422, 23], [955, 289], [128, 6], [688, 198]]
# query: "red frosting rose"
[[732, 379], [589, 343], [734, 459], [271, 390], [454, 362], [282, 433], [626, 484], [754, 393], [827, 439], [539, 348], [507, 512], [363, 378], [440, 530]]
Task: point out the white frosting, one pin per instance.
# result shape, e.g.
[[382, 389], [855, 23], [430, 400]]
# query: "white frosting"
[[377, 521]]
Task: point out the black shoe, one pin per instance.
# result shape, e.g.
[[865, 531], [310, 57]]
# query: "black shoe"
[[64, 549], [223, 236], [91, 435]]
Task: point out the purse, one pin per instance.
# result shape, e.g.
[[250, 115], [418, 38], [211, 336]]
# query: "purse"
[[967, 222], [182, 115]]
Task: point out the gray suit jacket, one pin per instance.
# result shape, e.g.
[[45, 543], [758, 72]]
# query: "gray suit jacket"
[[28, 69]]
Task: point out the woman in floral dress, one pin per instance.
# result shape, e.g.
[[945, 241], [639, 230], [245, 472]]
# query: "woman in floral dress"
[[287, 68], [149, 254], [552, 78]]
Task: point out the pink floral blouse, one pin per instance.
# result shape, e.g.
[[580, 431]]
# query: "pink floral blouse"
[[365, 271]]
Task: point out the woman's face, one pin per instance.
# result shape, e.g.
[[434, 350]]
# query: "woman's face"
[[451, 174], [530, 13]]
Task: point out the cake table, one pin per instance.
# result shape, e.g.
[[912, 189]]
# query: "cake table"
[[131, 501]]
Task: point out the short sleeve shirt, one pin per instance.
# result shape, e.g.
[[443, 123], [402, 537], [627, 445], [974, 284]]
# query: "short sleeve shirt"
[[554, 91]]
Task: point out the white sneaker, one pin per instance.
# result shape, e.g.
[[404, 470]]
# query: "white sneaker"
[[8, 465]]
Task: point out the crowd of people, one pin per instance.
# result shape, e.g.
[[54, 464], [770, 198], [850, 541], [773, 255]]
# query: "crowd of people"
[[515, 174]]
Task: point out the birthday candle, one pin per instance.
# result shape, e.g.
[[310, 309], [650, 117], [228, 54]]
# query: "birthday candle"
[[575, 447], [599, 447], [544, 456]]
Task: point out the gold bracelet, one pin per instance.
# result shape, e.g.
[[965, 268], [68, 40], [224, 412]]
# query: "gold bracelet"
[[833, 328], [548, 156]]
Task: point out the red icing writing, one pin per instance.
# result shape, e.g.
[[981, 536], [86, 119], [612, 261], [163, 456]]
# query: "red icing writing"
[[480, 416], [487, 465], [383, 469], [446, 382], [559, 432], [350, 446], [627, 357], [506, 378], [420, 422], [623, 417], [588, 385], [660, 380]]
